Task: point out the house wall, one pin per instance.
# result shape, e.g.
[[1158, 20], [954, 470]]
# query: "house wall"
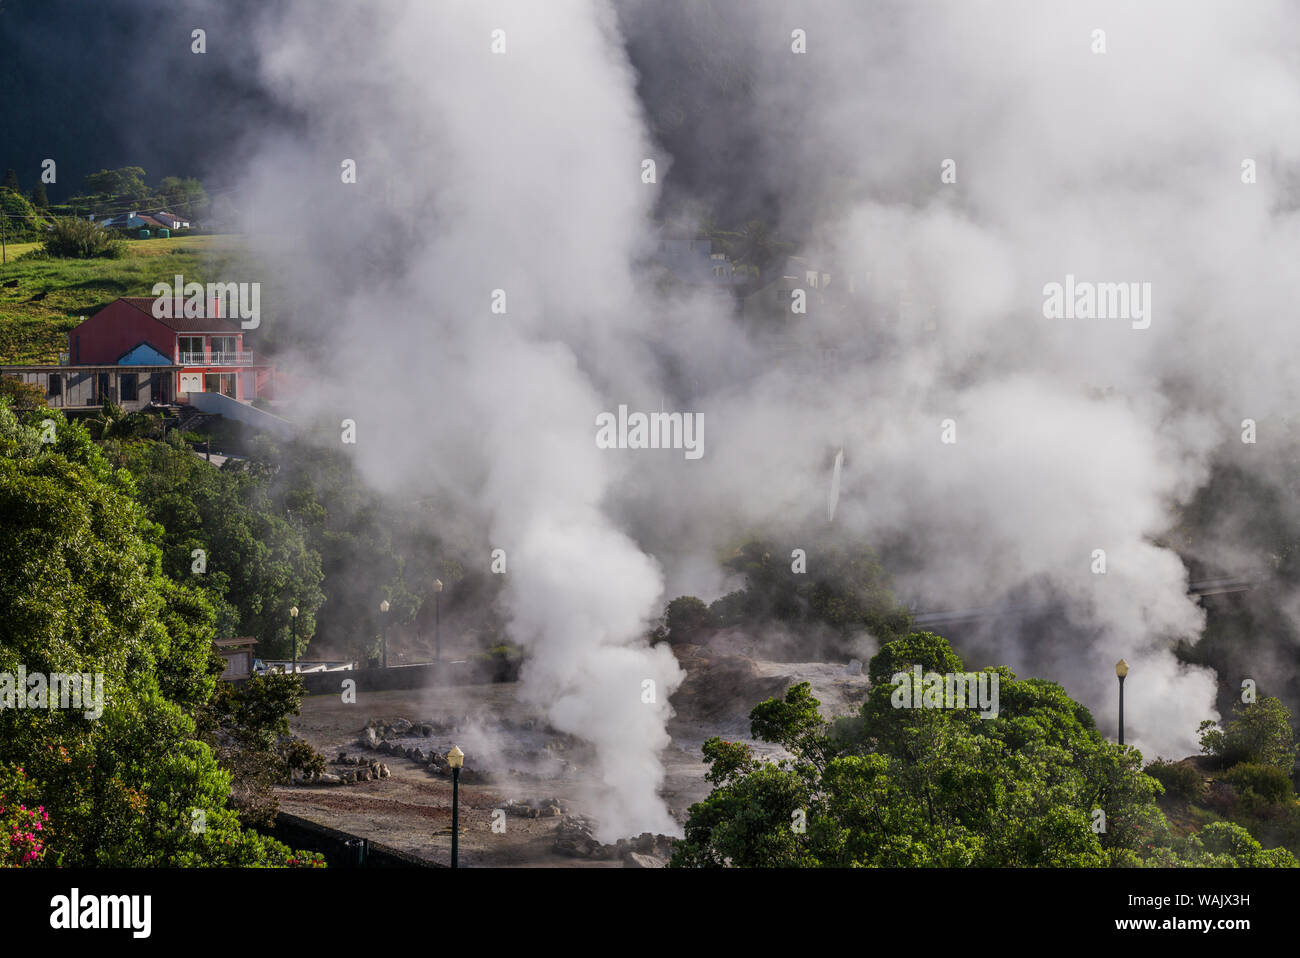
[[112, 331], [90, 387]]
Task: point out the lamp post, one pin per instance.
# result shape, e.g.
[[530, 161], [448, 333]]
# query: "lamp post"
[[293, 623], [1121, 669], [437, 619], [383, 629], [455, 758]]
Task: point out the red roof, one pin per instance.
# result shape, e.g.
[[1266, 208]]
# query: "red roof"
[[183, 324]]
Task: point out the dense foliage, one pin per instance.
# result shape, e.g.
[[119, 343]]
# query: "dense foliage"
[[1036, 785], [124, 779], [1259, 732], [844, 594], [247, 727], [76, 238], [222, 533]]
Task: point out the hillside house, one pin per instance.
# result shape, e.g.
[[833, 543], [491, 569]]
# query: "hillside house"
[[125, 354], [149, 221]]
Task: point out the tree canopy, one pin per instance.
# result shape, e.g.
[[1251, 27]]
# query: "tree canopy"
[[1035, 785], [85, 592]]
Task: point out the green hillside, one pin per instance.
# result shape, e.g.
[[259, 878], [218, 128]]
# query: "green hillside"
[[52, 295]]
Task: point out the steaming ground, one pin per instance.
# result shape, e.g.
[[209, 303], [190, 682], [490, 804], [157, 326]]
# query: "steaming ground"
[[498, 727], [473, 301]]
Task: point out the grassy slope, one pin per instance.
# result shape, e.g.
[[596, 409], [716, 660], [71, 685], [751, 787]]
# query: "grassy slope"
[[53, 294]]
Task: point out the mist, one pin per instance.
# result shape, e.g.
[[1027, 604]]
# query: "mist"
[[521, 172]]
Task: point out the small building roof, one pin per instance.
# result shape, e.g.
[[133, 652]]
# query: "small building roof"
[[183, 324], [243, 641]]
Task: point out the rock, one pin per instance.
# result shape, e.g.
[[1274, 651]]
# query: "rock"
[[385, 747], [401, 727], [574, 838], [645, 843], [854, 667], [637, 860], [328, 778], [343, 757], [349, 778], [549, 811], [419, 756], [426, 730], [368, 738], [383, 771]]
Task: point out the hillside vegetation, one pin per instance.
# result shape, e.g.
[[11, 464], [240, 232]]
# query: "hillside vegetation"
[[52, 295]]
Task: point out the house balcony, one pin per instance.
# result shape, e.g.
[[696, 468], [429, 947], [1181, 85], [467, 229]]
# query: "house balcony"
[[243, 358]]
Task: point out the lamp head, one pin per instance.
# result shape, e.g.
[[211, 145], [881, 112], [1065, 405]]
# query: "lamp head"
[[455, 758], [383, 606], [293, 612], [437, 585], [1121, 668]]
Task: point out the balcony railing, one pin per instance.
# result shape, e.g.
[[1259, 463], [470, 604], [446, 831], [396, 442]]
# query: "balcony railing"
[[215, 358]]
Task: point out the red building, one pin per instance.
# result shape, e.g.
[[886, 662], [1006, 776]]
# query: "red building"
[[127, 355]]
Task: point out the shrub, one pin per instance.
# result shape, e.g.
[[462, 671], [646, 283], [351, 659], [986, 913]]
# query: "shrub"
[[21, 218], [1265, 781], [1180, 779], [24, 395], [74, 238], [687, 619], [23, 822], [1258, 733]]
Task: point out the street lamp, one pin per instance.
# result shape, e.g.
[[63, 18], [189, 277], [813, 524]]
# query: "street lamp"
[[383, 629], [437, 619], [455, 758], [293, 622], [1121, 669]]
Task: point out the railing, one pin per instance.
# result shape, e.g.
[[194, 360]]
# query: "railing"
[[215, 358]]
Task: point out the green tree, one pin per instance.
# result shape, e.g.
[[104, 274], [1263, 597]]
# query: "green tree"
[[39, 199], [1259, 733], [247, 727], [124, 778], [184, 196], [908, 787], [20, 219], [687, 619], [846, 589], [11, 181], [256, 563], [126, 183]]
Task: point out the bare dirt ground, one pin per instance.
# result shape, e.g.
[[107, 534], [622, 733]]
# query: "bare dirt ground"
[[411, 810]]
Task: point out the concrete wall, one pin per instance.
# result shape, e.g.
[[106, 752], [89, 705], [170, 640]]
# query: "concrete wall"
[[333, 844], [400, 677], [249, 415]]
